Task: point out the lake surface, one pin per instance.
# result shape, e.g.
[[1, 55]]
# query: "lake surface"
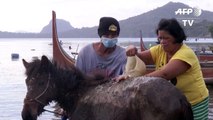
[[12, 78]]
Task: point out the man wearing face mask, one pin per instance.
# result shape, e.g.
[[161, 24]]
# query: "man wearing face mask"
[[103, 57]]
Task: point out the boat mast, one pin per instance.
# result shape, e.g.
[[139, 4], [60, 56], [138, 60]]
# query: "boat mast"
[[142, 46]]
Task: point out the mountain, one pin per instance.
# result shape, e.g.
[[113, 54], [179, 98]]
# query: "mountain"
[[199, 30], [62, 26], [146, 22]]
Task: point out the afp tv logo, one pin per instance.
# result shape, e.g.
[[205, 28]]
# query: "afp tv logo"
[[194, 12]]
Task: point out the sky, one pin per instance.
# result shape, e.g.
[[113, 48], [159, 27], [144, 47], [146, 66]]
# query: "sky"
[[33, 15]]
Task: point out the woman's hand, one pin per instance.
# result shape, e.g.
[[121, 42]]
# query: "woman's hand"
[[131, 50], [121, 77]]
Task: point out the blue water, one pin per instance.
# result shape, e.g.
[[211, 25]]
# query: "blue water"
[[12, 78]]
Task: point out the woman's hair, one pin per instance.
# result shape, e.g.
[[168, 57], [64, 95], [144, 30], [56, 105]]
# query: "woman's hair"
[[173, 28]]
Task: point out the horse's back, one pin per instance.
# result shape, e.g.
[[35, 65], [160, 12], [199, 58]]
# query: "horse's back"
[[138, 98]]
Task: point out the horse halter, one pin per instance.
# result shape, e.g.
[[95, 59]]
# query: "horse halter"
[[42, 93], [36, 99]]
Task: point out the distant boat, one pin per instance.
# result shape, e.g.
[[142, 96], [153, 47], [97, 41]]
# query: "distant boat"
[[14, 56]]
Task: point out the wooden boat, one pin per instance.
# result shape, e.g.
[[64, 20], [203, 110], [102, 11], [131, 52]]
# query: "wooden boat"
[[206, 62], [61, 58], [205, 57]]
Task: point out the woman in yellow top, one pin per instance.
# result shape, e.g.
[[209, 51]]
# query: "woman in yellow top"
[[177, 62]]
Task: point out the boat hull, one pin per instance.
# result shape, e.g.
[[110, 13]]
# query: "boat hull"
[[60, 57]]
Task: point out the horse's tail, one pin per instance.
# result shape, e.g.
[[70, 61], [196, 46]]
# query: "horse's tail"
[[187, 113]]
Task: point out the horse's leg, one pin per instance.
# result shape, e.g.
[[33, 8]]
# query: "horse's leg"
[[183, 112]]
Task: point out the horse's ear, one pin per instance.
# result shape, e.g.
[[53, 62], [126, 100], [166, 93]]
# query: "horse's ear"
[[25, 63], [44, 60], [44, 66]]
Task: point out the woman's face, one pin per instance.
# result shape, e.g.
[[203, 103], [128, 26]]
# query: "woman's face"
[[166, 40]]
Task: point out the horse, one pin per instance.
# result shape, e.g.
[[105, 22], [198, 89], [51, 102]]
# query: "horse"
[[91, 98]]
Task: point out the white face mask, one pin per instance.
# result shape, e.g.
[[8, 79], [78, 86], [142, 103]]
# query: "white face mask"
[[109, 42]]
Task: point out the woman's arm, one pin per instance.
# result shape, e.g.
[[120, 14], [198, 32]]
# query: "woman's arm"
[[171, 70], [145, 56]]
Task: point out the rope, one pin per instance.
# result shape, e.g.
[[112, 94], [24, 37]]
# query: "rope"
[[53, 112]]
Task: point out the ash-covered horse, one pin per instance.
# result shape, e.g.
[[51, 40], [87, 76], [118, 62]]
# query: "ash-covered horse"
[[140, 98]]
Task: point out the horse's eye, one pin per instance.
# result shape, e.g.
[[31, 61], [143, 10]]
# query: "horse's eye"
[[31, 80], [27, 81]]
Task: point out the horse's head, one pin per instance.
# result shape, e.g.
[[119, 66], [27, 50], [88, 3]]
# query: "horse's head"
[[39, 87], [46, 82]]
